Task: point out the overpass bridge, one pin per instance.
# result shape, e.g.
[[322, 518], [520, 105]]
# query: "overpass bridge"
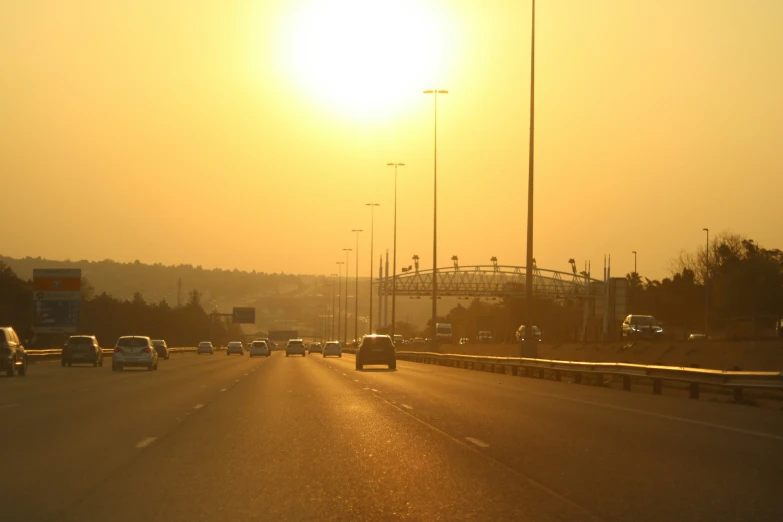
[[491, 281]]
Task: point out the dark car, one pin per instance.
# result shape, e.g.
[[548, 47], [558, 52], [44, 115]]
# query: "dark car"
[[642, 327], [13, 357], [162, 348], [376, 349], [82, 349]]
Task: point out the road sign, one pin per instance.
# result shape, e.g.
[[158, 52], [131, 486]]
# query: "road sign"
[[243, 315], [56, 300]]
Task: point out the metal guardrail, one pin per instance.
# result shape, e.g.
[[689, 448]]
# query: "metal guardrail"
[[735, 380]]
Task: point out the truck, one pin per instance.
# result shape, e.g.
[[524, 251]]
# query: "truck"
[[443, 333]]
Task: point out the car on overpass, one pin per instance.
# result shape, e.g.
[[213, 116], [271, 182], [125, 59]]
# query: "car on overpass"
[[82, 349], [333, 348], [13, 357], [485, 337], [376, 349], [134, 351], [259, 348], [205, 347], [295, 347], [235, 347], [398, 340], [162, 348]]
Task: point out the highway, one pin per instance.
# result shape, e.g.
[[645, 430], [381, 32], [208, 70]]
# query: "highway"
[[213, 438]]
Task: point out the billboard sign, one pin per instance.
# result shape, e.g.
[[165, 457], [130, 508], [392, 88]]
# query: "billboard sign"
[[242, 315], [56, 300]]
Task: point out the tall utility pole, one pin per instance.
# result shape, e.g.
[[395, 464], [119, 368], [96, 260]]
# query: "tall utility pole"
[[435, 93], [529, 338], [386, 294], [380, 278], [356, 291], [707, 288], [334, 287], [634, 262], [339, 297], [394, 256], [372, 243], [347, 259], [325, 314]]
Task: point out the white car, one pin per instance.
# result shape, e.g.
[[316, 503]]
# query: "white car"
[[259, 348], [134, 351], [333, 348], [235, 347], [295, 347], [205, 347]]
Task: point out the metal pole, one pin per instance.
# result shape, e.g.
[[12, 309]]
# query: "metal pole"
[[339, 297], [394, 262], [331, 334], [707, 288], [356, 291], [634, 262], [372, 243], [529, 338], [347, 260], [435, 93]]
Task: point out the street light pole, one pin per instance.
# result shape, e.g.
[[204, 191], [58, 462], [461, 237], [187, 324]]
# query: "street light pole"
[[529, 339], [435, 93], [339, 299], [326, 306], [356, 291], [707, 287], [634, 262], [347, 258], [394, 256], [372, 242], [334, 286]]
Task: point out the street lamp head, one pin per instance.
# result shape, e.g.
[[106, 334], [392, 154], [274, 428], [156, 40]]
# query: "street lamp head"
[[443, 92], [357, 230], [372, 204], [633, 252], [706, 229], [429, 91]]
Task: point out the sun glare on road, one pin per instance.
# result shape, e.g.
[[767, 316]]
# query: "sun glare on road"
[[363, 58]]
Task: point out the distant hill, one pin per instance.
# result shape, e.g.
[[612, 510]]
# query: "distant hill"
[[157, 282]]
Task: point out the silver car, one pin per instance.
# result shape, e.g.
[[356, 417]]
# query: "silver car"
[[295, 347], [134, 351], [235, 347], [333, 348], [205, 347]]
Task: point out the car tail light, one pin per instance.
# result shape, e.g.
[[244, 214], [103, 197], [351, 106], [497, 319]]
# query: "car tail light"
[[117, 349], [146, 350]]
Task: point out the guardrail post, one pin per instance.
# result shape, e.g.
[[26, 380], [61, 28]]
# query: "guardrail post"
[[626, 383], [578, 378], [492, 368], [694, 390], [557, 375], [657, 386], [600, 378], [514, 371], [738, 395]]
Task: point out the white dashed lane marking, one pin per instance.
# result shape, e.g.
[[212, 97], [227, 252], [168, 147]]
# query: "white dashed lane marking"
[[406, 406], [198, 406], [146, 442], [224, 389]]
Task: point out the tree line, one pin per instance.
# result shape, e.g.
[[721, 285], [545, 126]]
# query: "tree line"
[[108, 317]]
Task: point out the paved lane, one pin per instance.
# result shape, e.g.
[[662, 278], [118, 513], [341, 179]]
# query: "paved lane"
[[624, 456], [219, 438]]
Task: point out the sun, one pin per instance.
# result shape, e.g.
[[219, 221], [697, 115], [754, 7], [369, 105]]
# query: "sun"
[[365, 58]]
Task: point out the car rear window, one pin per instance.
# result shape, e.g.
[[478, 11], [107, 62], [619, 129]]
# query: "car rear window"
[[132, 342], [295, 343], [378, 342], [234, 343], [80, 341]]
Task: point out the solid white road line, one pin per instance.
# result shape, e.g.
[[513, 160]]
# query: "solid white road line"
[[477, 442], [146, 442]]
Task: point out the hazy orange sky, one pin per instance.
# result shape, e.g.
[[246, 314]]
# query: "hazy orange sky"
[[251, 134]]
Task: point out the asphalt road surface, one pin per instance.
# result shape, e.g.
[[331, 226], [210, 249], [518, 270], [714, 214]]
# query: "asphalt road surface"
[[214, 438]]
